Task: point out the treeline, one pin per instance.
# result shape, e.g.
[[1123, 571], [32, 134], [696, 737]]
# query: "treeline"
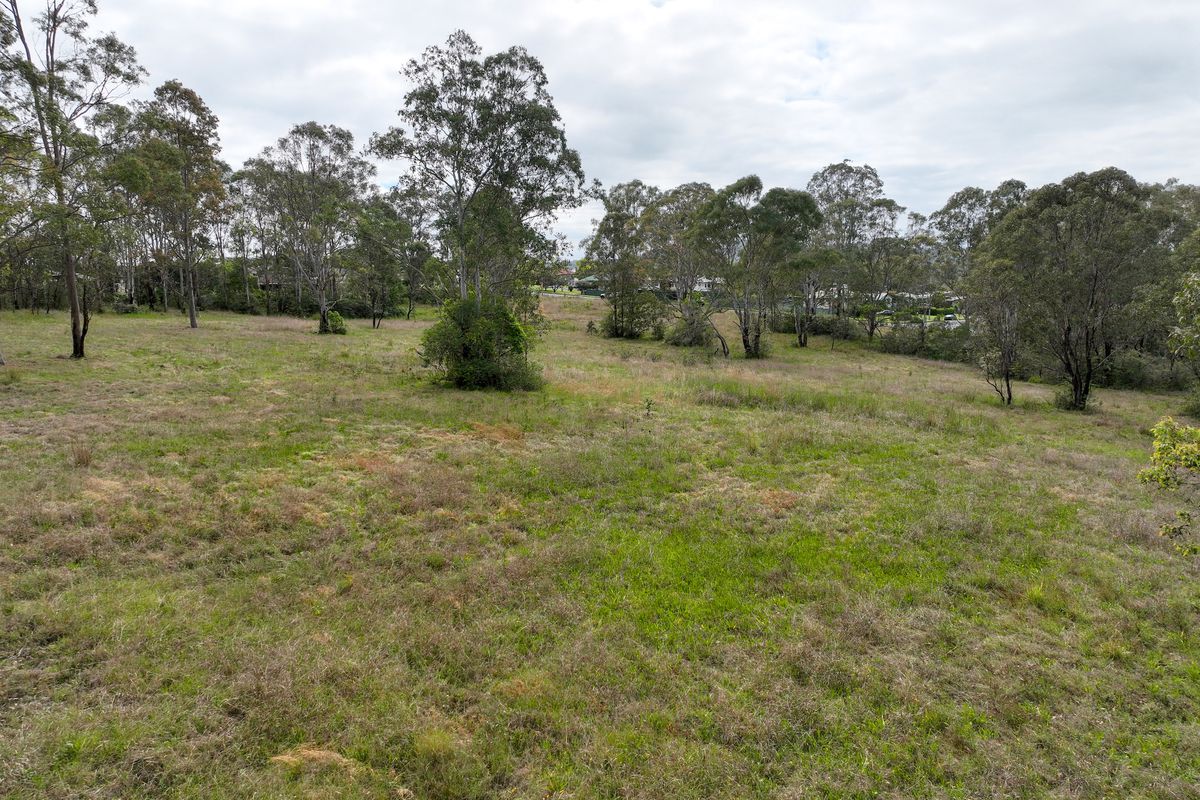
[[123, 206], [127, 206], [1075, 282]]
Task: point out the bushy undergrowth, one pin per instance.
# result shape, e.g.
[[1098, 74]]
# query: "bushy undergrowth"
[[832, 325], [480, 346], [337, 325], [938, 341], [632, 316], [686, 332], [1130, 369]]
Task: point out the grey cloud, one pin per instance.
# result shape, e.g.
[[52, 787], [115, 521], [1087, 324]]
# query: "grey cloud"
[[937, 95]]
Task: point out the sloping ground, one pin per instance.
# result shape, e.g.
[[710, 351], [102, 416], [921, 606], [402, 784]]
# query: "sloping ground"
[[246, 561]]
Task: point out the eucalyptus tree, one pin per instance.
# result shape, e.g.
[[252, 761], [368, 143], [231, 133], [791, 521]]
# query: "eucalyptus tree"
[[188, 187], [855, 216], [681, 262], [998, 309], [616, 253], [963, 223], [753, 237], [54, 77], [241, 228], [1077, 251], [315, 182], [473, 126], [383, 244]]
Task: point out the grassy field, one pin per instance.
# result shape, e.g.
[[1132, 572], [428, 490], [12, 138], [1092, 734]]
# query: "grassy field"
[[246, 561]]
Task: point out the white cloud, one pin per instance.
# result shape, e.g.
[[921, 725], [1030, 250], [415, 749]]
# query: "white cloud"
[[935, 95]]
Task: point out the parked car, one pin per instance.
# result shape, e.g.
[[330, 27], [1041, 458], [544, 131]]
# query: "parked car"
[[950, 317]]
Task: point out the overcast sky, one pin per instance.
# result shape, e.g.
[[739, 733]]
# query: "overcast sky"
[[935, 95]]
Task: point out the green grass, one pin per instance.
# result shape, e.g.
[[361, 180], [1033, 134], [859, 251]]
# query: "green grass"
[[247, 561]]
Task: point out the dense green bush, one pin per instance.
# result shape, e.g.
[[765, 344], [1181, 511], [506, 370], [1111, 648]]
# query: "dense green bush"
[[632, 315], [1131, 369], [480, 347], [687, 332], [948, 343], [902, 340], [835, 326], [336, 323], [941, 342], [781, 322]]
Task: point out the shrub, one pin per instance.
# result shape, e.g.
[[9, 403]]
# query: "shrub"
[[1131, 369], [690, 332], [480, 347], [638, 312], [835, 326], [336, 323], [779, 322], [941, 342], [1191, 406], [948, 343], [901, 339], [1174, 466], [1064, 399]]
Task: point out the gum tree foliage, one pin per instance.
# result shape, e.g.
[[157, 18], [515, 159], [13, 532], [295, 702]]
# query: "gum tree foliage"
[[314, 183], [18, 223], [1076, 252], [383, 245], [54, 78], [1185, 336], [187, 190], [509, 255], [484, 131], [855, 217], [964, 222], [616, 253], [995, 304], [682, 264], [752, 238], [484, 144]]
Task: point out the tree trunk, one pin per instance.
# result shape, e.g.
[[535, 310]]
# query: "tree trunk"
[[78, 324], [323, 305], [193, 320]]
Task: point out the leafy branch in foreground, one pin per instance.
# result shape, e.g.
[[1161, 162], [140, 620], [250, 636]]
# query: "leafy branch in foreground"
[[1175, 466]]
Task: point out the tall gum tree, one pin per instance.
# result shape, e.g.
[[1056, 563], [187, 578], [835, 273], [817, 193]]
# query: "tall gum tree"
[[1077, 251], [471, 125], [190, 180], [314, 183], [55, 77], [855, 216], [753, 237]]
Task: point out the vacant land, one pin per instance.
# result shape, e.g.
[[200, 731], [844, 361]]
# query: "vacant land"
[[246, 561]]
